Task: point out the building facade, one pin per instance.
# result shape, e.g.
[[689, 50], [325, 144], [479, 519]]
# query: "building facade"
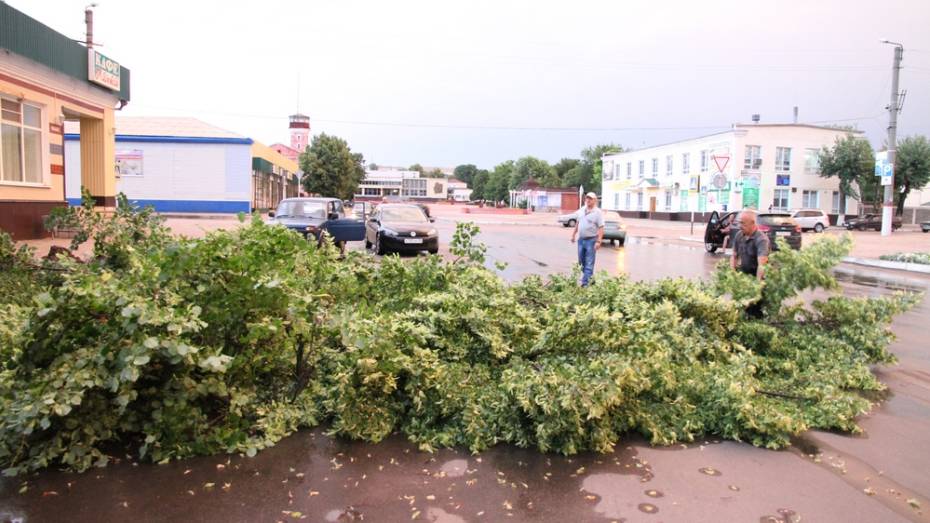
[[404, 185], [758, 166], [174, 165], [274, 177], [46, 79]]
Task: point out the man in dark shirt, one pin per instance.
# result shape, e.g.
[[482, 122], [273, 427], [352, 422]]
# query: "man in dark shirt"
[[750, 247]]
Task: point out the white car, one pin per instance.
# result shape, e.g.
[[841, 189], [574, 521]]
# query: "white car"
[[568, 220], [811, 219]]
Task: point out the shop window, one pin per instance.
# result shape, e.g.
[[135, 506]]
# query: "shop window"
[[780, 201], [20, 142]]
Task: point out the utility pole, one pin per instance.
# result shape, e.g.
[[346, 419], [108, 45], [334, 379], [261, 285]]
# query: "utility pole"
[[893, 108]]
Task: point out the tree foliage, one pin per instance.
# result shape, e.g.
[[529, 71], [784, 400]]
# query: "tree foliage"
[[466, 173], [331, 168], [852, 161], [231, 342], [912, 167]]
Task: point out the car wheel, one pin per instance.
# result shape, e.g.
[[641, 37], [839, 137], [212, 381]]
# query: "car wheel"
[[433, 251], [379, 248], [710, 247], [818, 228], [571, 223]]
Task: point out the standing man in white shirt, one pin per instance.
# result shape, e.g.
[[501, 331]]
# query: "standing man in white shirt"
[[589, 227]]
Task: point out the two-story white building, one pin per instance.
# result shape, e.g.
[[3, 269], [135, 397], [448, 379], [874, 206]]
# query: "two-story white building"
[[757, 166], [408, 185]]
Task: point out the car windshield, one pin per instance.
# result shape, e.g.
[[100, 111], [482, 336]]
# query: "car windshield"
[[300, 209], [403, 214], [775, 219], [611, 224]]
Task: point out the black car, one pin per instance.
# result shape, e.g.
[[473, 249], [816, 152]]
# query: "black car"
[[871, 221], [311, 217], [925, 226], [398, 227], [773, 225]]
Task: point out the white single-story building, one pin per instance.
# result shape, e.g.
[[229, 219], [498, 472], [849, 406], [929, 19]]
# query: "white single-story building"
[[758, 166], [174, 165]]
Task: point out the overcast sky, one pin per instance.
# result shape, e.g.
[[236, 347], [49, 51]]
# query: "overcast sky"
[[445, 83]]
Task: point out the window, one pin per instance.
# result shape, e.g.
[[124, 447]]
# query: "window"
[[616, 200], [639, 201], [668, 199], [705, 157], [616, 171], [608, 172], [655, 167], [20, 142], [783, 158], [811, 161], [642, 168], [780, 201], [668, 165], [685, 163], [627, 202], [753, 158], [372, 191], [810, 199], [629, 170], [835, 207]]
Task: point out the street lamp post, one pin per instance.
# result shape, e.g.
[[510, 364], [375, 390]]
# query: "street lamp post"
[[893, 108]]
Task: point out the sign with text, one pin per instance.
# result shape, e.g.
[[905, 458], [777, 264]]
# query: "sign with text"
[[101, 70]]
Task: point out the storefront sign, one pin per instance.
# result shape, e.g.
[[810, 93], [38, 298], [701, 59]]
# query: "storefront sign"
[[101, 70]]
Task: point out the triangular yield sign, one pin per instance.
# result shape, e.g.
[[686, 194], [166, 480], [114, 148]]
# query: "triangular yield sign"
[[721, 161]]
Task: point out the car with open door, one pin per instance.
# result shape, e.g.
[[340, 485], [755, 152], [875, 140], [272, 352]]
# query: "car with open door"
[[400, 228], [315, 218], [773, 225], [718, 227]]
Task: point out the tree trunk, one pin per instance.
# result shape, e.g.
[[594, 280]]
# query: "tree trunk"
[[842, 208]]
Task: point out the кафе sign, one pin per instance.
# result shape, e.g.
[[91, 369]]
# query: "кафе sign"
[[102, 70]]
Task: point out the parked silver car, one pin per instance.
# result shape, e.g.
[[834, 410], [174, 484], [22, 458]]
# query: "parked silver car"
[[568, 220]]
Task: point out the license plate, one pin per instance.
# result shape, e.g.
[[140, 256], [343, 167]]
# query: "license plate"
[[413, 240], [783, 233]]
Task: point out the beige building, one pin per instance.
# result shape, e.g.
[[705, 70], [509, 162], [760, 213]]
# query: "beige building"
[[759, 166], [46, 78]]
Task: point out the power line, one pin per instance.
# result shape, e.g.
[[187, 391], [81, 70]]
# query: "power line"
[[421, 125]]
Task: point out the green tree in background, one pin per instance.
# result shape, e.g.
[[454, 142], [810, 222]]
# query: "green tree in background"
[[852, 161], [331, 168], [466, 173], [372, 166], [912, 167], [592, 157], [436, 173], [478, 184], [498, 185], [416, 167], [532, 167]]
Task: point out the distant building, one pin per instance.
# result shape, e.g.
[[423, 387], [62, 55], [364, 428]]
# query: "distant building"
[[757, 166], [538, 198], [185, 165], [404, 185], [458, 190]]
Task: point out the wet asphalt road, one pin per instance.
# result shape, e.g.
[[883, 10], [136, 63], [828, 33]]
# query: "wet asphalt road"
[[312, 477]]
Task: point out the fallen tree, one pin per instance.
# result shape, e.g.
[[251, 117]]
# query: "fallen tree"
[[176, 347]]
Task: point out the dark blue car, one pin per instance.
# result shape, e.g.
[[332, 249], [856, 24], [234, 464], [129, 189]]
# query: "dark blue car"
[[312, 217]]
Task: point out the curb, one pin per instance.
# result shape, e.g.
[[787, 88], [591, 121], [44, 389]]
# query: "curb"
[[691, 239], [886, 264]]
